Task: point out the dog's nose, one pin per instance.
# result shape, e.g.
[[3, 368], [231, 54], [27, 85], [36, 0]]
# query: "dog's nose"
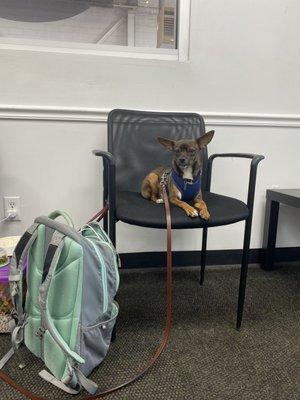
[[182, 160]]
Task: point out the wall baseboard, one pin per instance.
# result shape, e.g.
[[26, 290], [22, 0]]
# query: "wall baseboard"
[[214, 257], [86, 114]]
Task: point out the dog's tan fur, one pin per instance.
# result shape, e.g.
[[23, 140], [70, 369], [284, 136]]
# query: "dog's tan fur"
[[151, 189]]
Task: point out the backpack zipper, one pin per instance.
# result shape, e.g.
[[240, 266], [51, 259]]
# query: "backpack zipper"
[[103, 275], [106, 240]]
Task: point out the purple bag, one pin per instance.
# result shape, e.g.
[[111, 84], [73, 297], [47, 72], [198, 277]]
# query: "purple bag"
[[5, 299]]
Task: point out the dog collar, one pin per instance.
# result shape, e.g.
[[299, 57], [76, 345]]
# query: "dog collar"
[[189, 188]]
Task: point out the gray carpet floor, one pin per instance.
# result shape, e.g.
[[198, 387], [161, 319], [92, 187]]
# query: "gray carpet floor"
[[207, 358]]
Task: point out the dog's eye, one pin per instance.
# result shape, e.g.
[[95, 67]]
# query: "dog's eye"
[[192, 151], [177, 151]]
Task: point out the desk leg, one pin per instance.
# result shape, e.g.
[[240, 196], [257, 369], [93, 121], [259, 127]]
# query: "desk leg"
[[270, 233]]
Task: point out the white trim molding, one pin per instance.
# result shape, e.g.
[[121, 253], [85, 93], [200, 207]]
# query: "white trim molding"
[[252, 119], [53, 113], [84, 114]]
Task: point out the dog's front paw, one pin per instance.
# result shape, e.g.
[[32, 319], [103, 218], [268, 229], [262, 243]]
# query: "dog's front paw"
[[204, 214], [190, 211]]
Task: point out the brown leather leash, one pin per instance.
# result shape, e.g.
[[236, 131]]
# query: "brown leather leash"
[[168, 322], [100, 215]]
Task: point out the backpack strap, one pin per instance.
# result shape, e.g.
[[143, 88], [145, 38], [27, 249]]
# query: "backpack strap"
[[89, 385], [51, 260], [6, 357], [23, 242], [16, 278], [51, 379], [59, 213]]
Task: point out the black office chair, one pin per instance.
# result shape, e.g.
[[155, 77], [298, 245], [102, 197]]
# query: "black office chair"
[[133, 151]]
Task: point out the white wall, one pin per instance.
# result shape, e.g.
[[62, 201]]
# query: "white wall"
[[243, 59]]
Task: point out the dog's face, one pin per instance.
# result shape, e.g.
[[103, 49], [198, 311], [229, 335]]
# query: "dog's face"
[[186, 153]]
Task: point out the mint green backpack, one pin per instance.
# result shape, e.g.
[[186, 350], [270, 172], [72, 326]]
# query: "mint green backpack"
[[67, 315]]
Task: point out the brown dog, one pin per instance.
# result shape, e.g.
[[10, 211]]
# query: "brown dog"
[[184, 179]]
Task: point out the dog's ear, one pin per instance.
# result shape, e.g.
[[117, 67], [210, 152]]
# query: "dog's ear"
[[168, 143], [205, 139]]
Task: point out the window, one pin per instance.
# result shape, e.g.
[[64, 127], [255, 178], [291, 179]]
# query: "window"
[[137, 28]]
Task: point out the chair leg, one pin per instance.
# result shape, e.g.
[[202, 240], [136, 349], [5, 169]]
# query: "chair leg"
[[243, 275], [112, 236], [105, 224], [105, 193], [112, 229], [203, 255], [114, 334]]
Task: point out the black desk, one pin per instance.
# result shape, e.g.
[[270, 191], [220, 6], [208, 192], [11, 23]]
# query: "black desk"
[[290, 197]]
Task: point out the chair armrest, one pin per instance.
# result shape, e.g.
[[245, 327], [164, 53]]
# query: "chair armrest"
[[255, 160], [105, 155], [109, 179]]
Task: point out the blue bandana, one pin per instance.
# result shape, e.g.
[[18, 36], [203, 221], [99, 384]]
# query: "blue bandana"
[[188, 188]]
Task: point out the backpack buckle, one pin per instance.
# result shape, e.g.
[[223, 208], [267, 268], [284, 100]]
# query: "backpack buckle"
[[40, 332]]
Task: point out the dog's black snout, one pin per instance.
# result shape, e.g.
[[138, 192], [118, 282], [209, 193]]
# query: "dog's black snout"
[[182, 160]]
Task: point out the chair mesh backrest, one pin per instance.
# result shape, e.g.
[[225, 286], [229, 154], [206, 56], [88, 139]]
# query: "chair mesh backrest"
[[132, 140]]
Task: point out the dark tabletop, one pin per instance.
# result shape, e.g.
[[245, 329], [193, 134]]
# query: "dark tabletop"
[[286, 196]]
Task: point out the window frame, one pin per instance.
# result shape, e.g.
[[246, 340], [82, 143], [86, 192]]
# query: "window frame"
[[180, 54]]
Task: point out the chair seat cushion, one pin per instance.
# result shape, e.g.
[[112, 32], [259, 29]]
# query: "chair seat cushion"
[[133, 209]]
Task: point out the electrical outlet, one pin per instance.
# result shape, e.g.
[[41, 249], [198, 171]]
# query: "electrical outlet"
[[12, 203]]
